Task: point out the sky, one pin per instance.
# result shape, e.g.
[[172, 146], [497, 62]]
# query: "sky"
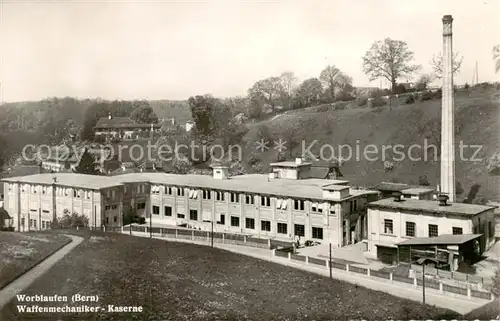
[[176, 49]]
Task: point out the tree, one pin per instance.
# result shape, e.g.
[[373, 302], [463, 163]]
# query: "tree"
[[268, 90], [334, 81], [310, 92], [496, 57], [389, 59], [143, 113], [288, 84], [87, 164], [437, 64], [423, 181], [70, 221], [422, 82], [213, 118]]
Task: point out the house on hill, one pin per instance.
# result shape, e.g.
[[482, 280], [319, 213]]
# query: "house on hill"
[[123, 128]]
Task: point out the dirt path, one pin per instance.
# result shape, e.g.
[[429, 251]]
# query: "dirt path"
[[24, 281]]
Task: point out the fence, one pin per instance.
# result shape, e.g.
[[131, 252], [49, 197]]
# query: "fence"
[[217, 237], [457, 279], [389, 276]]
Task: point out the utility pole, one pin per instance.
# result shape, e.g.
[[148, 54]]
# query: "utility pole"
[[150, 224], [212, 234], [330, 263], [423, 283]]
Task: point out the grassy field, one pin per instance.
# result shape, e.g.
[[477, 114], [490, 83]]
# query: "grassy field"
[[490, 311], [20, 252], [176, 281], [476, 121]]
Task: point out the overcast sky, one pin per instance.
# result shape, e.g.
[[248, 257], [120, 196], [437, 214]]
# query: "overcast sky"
[[175, 49]]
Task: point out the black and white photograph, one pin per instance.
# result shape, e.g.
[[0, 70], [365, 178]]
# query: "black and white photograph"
[[259, 160]]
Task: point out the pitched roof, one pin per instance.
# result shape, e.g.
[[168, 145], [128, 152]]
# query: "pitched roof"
[[121, 122], [392, 187], [444, 239], [427, 206]]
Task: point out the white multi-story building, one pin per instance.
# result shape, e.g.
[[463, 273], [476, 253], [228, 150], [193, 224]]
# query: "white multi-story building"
[[282, 205]]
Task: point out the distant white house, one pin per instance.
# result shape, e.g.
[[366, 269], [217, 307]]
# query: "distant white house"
[[189, 125]]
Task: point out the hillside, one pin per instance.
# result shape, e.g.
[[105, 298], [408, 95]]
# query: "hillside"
[[476, 121]]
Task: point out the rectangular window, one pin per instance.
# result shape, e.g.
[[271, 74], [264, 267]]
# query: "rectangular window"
[[125, 189], [299, 230], [410, 229], [298, 205], [332, 208], [316, 207], [222, 219], [114, 207], [34, 223], [115, 218], [193, 215], [433, 230], [219, 196], [250, 223], [235, 221], [107, 220], [457, 231], [265, 201], [265, 226], [179, 215], [180, 191], [44, 189], [388, 227], [155, 189], [235, 198], [282, 228], [141, 206], [168, 190], [317, 233], [249, 199], [207, 195], [156, 210], [168, 211]]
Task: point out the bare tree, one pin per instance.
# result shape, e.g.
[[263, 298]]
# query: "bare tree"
[[496, 57], [267, 89], [389, 59], [437, 64], [288, 84]]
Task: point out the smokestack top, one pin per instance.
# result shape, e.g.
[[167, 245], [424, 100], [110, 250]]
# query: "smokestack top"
[[447, 18]]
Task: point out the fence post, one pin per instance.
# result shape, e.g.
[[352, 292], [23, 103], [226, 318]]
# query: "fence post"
[[244, 238], [347, 267], [289, 256], [390, 276], [104, 227], [269, 243], [327, 264], [415, 281], [307, 259], [122, 228], [440, 286], [492, 297], [176, 233], [192, 235], [208, 236], [161, 232], [368, 272], [274, 252], [468, 291]]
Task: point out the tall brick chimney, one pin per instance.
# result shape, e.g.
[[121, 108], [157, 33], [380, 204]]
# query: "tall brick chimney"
[[447, 114]]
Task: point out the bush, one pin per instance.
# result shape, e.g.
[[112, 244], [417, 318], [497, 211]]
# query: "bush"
[[399, 89], [438, 94], [466, 86], [340, 105], [323, 108], [362, 101], [410, 99], [426, 95], [496, 283], [378, 102]]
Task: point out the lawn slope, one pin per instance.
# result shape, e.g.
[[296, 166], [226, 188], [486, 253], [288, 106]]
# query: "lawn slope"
[[477, 122], [177, 281]]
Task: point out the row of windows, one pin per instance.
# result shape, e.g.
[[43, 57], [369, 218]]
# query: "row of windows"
[[411, 228], [115, 219], [281, 228], [60, 191], [265, 201], [110, 207], [33, 223]]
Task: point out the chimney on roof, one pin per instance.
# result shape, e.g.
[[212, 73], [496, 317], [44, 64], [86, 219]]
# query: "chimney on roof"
[[443, 199], [109, 116], [220, 171], [397, 196]]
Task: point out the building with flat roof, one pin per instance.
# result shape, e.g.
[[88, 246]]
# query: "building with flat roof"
[[281, 206], [396, 220]]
